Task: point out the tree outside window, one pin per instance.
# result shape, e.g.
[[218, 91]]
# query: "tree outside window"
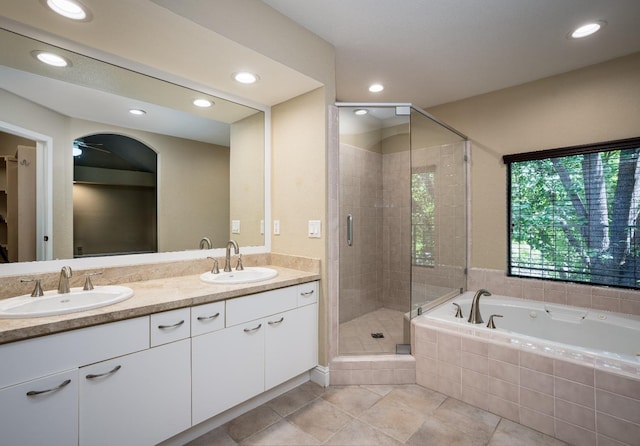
[[574, 214], [423, 215]]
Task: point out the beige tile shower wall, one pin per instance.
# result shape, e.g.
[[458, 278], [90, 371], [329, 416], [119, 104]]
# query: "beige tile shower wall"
[[599, 298], [396, 229], [360, 264]]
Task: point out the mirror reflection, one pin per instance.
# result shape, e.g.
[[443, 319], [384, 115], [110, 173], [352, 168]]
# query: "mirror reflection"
[[157, 181]]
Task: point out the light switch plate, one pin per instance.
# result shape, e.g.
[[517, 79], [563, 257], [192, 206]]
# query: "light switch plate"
[[261, 227], [276, 227], [314, 229], [235, 226]]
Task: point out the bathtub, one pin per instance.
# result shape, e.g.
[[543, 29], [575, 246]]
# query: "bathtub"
[[551, 328], [569, 372]]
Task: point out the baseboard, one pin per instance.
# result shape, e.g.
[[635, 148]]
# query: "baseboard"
[[320, 375]]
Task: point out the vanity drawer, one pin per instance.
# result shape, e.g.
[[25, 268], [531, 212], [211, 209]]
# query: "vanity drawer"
[[170, 326], [207, 318], [32, 358], [256, 306], [307, 293]]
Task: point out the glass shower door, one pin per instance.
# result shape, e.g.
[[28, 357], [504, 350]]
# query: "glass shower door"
[[438, 212]]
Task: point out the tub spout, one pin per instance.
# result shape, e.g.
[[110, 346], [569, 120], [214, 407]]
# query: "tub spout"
[[474, 316]]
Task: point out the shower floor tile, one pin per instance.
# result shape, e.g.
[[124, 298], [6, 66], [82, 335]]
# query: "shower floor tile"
[[355, 335]]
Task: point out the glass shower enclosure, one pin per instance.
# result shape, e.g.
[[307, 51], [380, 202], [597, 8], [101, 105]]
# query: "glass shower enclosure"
[[403, 224]]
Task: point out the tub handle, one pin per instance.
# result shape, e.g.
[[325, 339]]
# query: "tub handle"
[[458, 311], [491, 324]]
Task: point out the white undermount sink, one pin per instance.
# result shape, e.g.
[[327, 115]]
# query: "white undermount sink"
[[247, 275], [53, 303]]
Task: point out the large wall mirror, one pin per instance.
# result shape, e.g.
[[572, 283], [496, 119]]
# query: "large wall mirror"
[[206, 180]]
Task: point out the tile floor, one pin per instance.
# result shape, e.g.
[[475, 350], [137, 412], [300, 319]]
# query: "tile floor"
[[370, 415], [355, 335]]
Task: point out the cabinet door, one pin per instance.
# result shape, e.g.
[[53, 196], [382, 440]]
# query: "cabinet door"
[[138, 399], [42, 411], [291, 344], [227, 368]]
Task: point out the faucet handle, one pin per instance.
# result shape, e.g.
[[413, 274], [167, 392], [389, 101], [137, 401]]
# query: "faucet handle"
[[491, 324], [458, 310], [37, 290], [239, 266], [88, 286], [215, 269]]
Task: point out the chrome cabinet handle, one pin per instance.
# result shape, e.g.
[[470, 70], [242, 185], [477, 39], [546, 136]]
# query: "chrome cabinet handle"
[[249, 330], [53, 389], [165, 327], [277, 322], [100, 375], [208, 318], [349, 230], [307, 293]]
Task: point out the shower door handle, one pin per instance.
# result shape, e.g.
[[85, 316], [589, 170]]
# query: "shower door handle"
[[349, 230]]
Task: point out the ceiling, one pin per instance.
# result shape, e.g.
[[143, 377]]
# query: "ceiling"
[[430, 52]]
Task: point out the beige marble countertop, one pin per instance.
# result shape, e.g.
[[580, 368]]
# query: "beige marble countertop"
[[151, 296]]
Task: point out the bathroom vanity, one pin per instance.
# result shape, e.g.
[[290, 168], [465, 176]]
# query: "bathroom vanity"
[[141, 371]]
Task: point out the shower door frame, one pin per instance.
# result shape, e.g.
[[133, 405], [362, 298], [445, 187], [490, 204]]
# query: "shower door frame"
[[333, 270]]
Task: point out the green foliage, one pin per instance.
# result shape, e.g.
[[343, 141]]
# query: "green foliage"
[[550, 234]]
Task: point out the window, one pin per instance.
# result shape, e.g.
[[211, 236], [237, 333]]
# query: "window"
[[573, 214], [423, 215]]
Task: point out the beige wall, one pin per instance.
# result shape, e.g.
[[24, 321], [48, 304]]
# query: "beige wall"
[[597, 103], [298, 185]]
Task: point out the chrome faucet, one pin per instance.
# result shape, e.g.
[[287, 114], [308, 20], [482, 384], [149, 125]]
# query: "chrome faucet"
[[227, 259], [475, 317], [205, 242], [63, 284]]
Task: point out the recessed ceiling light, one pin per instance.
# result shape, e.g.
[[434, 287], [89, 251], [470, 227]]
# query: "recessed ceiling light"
[[245, 77], [51, 59], [376, 88], [587, 29], [70, 9], [360, 111], [137, 111], [204, 103]]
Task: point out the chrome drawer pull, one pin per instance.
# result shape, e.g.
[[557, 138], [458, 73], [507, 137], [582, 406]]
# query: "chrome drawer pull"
[[249, 330], [307, 293], [208, 318], [40, 392], [100, 375], [165, 327], [276, 322]]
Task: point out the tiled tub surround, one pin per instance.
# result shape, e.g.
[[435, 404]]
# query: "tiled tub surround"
[[157, 287], [576, 398]]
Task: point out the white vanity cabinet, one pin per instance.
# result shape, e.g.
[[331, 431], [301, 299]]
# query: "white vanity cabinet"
[[141, 381], [269, 338], [42, 411], [138, 399], [227, 368]]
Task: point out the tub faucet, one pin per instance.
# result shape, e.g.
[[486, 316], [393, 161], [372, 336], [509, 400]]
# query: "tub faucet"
[[475, 317], [227, 259], [63, 283]]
